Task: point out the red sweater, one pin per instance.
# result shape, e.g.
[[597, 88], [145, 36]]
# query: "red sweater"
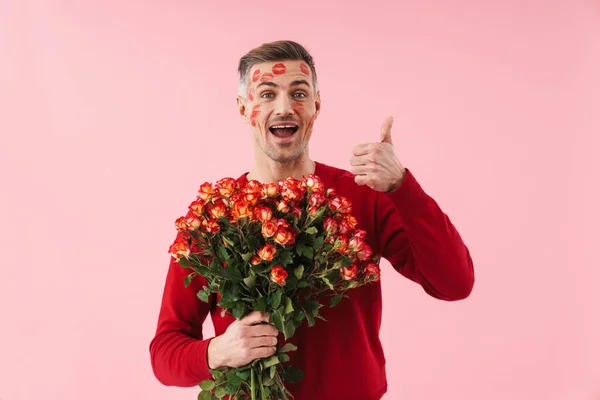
[[342, 358]]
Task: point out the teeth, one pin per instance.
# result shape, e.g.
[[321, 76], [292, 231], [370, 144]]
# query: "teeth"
[[283, 126]]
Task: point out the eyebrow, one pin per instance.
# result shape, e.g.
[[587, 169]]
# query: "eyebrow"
[[294, 83]]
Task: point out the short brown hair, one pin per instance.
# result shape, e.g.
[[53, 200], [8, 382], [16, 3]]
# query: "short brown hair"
[[271, 52]]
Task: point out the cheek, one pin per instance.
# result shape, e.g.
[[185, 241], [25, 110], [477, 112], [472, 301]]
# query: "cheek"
[[298, 107], [254, 114], [251, 95]]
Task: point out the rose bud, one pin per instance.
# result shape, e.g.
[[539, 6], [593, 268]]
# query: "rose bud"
[[330, 225], [312, 210], [263, 213], [284, 236], [269, 190], [211, 225], [279, 275], [193, 220], [226, 186], [179, 248], [255, 260], [283, 206], [349, 273], [335, 203], [197, 207], [242, 209], [181, 224], [313, 182], [206, 191], [217, 209], [317, 199], [373, 270], [267, 252], [346, 207], [269, 229]]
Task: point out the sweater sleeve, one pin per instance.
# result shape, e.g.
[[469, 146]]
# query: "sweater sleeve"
[[178, 351], [421, 243]]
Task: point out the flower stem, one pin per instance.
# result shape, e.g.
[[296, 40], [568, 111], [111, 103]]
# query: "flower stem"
[[252, 388]]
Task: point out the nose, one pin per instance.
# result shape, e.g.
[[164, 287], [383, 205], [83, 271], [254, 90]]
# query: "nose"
[[283, 106]]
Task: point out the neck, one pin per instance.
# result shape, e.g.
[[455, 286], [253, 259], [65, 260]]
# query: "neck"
[[267, 170]]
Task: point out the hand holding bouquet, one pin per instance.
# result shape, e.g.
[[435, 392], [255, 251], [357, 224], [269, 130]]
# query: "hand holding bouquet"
[[285, 248]]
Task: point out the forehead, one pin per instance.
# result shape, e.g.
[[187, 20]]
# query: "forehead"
[[280, 71]]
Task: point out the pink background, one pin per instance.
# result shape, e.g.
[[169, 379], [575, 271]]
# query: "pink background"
[[112, 113]]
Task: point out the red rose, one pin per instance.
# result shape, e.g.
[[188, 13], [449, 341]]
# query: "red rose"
[[192, 220], [352, 222], [342, 245], [242, 209], [284, 236], [346, 205], [252, 197], [206, 191], [312, 210], [317, 199], [217, 209], [313, 182], [349, 273], [269, 229], [335, 203], [226, 186], [263, 213], [269, 190], [330, 225], [197, 207], [256, 260], [283, 206], [211, 225], [179, 248], [373, 271], [344, 227], [267, 252], [279, 275]]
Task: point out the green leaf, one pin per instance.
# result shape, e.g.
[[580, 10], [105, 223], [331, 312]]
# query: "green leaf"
[[288, 306], [271, 361], [335, 300], [299, 271], [247, 257], [276, 299], [285, 258], [238, 310], [261, 304], [220, 392], [207, 385], [302, 284], [205, 396], [298, 315], [233, 378], [288, 329], [243, 375], [222, 252], [277, 320], [309, 252], [319, 242], [310, 319], [311, 230], [272, 371], [184, 263], [284, 357], [346, 261], [328, 283], [288, 347], [300, 248], [250, 281], [293, 374], [311, 305], [188, 279], [204, 294]]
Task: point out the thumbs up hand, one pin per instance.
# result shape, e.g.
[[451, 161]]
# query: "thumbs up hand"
[[376, 164]]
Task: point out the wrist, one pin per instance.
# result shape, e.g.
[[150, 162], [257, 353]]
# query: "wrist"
[[213, 354]]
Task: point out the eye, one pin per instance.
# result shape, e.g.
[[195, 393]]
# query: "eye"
[[299, 95], [267, 95]]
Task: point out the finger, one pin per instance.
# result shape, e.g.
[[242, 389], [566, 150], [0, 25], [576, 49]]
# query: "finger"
[[262, 341], [362, 180], [386, 130], [262, 352], [361, 169], [362, 149], [263, 330], [360, 160], [255, 317]]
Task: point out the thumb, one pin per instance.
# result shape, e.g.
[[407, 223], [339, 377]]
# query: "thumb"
[[386, 130]]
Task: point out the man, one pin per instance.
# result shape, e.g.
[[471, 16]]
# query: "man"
[[342, 358]]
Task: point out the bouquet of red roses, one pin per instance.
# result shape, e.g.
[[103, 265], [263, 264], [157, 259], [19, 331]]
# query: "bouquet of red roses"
[[286, 248]]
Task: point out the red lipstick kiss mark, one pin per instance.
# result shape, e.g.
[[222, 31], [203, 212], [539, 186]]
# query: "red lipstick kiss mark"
[[256, 75], [255, 113], [304, 69], [267, 77], [251, 96], [298, 108], [279, 69]]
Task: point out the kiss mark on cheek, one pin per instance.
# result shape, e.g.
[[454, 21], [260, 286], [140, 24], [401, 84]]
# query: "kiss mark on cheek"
[[254, 114], [267, 77], [305, 70], [298, 107], [256, 75], [251, 96], [279, 69]]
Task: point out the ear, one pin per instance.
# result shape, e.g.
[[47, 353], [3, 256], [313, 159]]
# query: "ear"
[[317, 104], [241, 103]]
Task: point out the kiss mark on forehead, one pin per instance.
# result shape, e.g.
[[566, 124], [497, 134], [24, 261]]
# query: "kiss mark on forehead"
[[305, 70], [256, 75], [279, 69], [267, 77]]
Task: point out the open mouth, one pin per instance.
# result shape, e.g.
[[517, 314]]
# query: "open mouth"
[[284, 130]]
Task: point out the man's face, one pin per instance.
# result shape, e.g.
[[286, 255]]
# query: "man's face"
[[281, 107]]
